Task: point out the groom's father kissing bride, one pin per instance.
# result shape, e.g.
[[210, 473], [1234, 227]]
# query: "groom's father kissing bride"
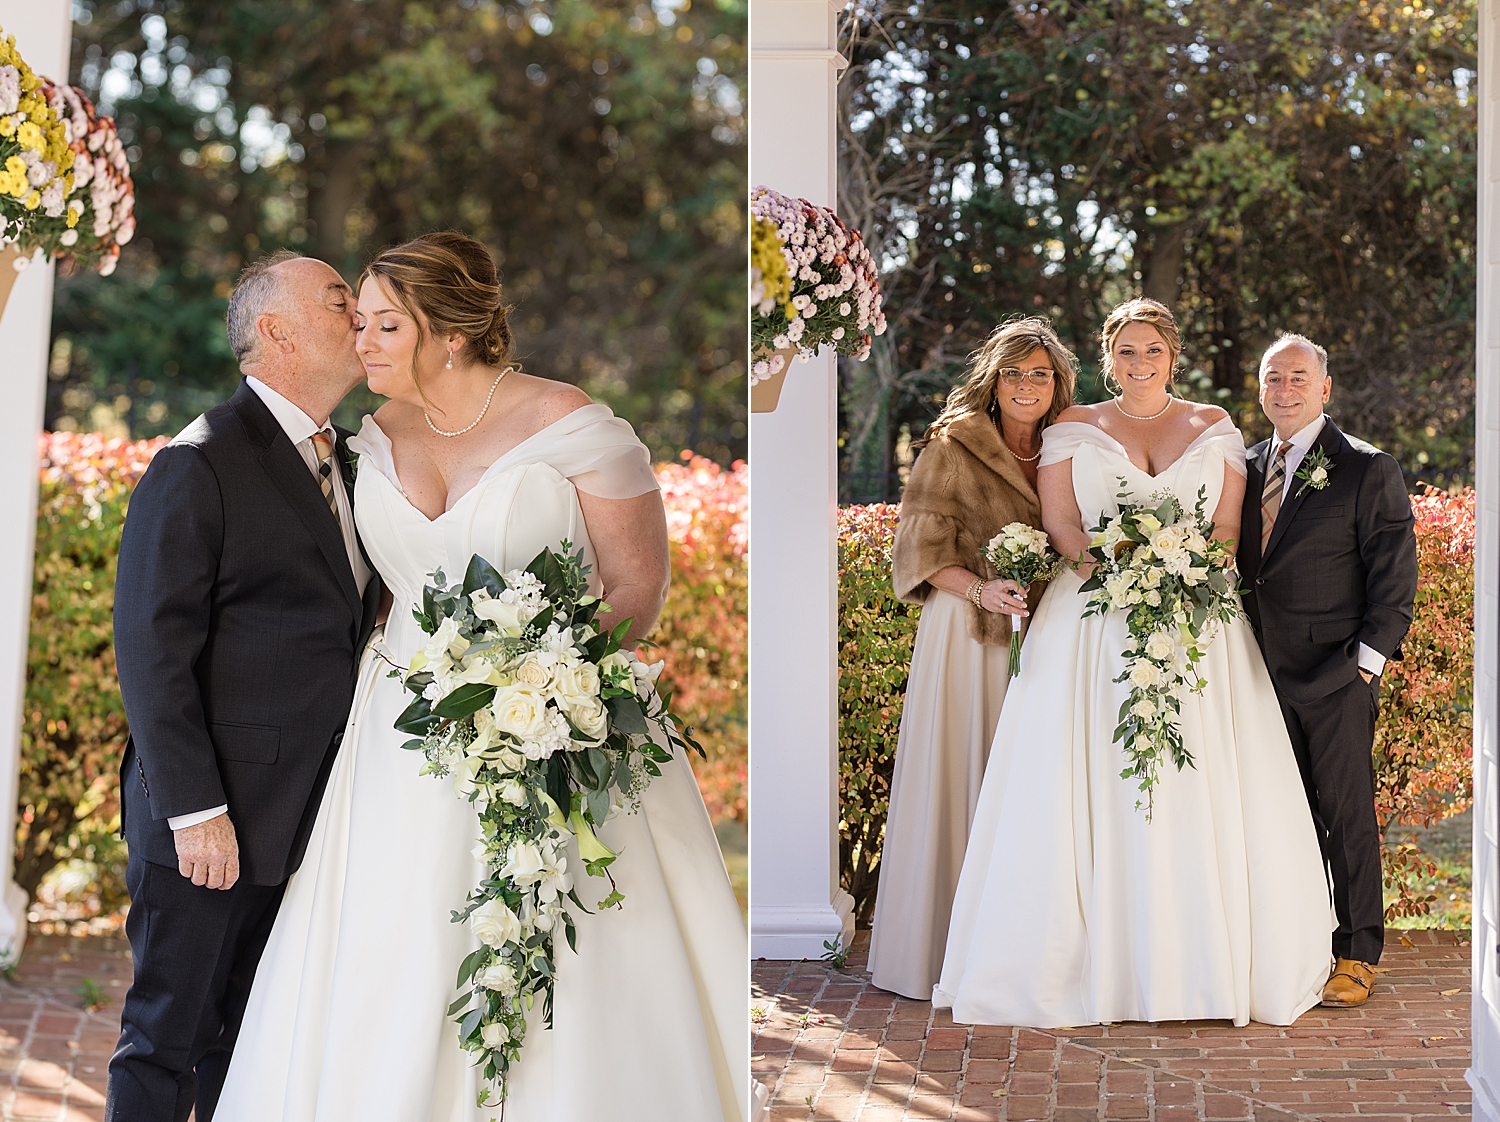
[[241, 605], [1328, 559]]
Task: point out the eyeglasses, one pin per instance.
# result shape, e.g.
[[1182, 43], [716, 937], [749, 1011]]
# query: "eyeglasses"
[[1014, 378]]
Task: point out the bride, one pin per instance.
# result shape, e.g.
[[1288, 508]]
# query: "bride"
[[1071, 907], [347, 1019]]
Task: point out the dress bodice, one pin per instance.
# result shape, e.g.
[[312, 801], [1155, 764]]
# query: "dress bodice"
[[526, 501], [1103, 470]]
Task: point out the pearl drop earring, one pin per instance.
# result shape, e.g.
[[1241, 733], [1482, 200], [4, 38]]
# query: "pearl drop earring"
[[450, 360]]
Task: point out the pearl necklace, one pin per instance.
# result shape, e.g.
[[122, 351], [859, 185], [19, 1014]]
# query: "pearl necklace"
[[477, 419], [1153, 416], [1001, 434]]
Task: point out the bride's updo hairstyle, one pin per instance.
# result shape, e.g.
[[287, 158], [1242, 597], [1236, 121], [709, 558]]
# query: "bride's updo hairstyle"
[[1012, 342], [452, 281], [1142, 309]]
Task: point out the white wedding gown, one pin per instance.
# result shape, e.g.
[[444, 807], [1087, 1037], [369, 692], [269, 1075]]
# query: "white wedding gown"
[[347, 1017], [1073, 909]]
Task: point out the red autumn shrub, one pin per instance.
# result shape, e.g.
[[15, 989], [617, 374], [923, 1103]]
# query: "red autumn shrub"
[[703, 633], [1424, 766], [74, 723]]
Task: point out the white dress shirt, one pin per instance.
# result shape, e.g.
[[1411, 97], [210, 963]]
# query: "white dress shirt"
[[1370, 659], [299, 428]]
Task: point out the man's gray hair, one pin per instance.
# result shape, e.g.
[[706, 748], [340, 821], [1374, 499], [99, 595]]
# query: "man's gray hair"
[[255, 289], [1288, 338]]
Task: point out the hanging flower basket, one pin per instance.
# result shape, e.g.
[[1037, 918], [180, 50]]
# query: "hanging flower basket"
[[813, 282]]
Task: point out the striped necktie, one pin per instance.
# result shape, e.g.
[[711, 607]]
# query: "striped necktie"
[[323, 445], [1270, 498]]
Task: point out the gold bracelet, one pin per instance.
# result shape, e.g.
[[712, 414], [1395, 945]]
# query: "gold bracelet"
[[976, 592]]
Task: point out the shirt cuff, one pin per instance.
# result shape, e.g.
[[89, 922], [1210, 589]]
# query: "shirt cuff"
[[1370, 659], [183, 821]]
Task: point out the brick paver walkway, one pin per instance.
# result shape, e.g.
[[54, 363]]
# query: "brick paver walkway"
[[53, 1053], [831, 1046]]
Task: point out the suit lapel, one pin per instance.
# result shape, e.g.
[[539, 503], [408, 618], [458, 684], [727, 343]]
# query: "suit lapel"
[[1329, 440], [288, 470]]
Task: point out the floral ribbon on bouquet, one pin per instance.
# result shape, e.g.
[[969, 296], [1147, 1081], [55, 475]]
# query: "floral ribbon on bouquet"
[[1159, 563], [550, 728]]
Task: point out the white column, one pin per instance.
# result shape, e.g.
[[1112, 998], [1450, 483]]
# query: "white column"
[[43, 32], [1484, 1074], [795, 900]]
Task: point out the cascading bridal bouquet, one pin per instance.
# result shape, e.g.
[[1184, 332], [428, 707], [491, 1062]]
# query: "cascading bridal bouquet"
[[1159, 563], [550, 728], [1023, 554]]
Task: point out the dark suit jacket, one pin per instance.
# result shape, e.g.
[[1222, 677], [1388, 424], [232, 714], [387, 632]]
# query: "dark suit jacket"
[[1340, 568], [238, 627]]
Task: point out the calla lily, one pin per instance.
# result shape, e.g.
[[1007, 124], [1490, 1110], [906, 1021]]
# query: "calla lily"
[[596, 855]]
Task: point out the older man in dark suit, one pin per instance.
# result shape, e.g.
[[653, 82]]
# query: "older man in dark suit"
[[242, 603], [1328, 559]]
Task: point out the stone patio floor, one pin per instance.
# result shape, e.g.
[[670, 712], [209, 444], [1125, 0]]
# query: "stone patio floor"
[[829, 1045]]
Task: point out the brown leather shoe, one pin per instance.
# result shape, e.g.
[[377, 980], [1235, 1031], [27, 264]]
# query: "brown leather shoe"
[[1350, 984]]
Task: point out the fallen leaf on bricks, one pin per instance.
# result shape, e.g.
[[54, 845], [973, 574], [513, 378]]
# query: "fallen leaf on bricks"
[[1406, 942], [997, 1094], [1449, 993]]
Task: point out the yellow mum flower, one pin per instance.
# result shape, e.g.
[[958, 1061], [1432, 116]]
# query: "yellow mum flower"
[[15, 165], [29, 136], [33, 200], [7, 126], [73, 217]]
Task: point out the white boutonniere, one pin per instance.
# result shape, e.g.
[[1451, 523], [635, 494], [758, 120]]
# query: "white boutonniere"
[[1313, 472]]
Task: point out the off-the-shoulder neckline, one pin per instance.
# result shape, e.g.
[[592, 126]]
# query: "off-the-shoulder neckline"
[[1220, 428], [373, 442]]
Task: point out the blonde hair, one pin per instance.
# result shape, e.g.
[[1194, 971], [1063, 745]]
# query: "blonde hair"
[[452, 280], [1142, 309], [1009, 343]]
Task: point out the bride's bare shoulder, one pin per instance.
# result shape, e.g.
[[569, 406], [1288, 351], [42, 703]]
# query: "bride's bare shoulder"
[[397, 416], [549, 401], [1081, 414], [1204, 416]]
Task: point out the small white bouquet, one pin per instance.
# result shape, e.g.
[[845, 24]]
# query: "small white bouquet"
[[1160, 564], [1023, 554], [549, 727]]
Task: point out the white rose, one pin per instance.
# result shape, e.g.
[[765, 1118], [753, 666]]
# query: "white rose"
[[1318, 476], [1145, 675], [590, 717], [445, 641], [1153, 598], [495, 1035], [534, 671], [520, 711], [1151, 578], [495, 924], [523, 862], [500, 977], [1164, 541], [573, 685], [1161, 646], [513, 791], [1144, 709]]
